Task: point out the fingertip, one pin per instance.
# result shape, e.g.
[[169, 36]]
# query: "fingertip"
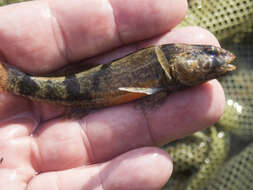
[[143, 168], [188, 35], [218, 102]]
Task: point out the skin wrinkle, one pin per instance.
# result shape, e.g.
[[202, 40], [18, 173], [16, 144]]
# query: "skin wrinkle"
[[28, 181], [85, 138], [105, 24], [100, 180], [34, 163], [34, 152], [153, 142], [120, 39], [67, 51], [38, 156], [37, 116], [57, 181]]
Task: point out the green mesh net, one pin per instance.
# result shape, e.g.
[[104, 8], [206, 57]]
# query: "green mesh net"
[[236, 173], [238, 115], [197, 158], [6, 2], [224, 18]]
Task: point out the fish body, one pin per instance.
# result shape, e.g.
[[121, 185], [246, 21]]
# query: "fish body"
[[168, 67]]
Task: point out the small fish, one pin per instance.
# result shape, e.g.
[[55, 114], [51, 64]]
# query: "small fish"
[[167, 68]]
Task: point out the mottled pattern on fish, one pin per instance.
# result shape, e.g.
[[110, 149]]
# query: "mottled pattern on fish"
[[150, 70]]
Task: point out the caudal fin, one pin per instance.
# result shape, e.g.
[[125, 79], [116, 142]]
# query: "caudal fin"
[[3, 77]]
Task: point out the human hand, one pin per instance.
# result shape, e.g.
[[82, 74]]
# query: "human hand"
[[110, 148]]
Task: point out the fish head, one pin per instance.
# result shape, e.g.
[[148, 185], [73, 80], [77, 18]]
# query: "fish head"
[[199, 63]]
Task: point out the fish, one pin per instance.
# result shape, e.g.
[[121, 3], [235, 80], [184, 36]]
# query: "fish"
[[160, 68]]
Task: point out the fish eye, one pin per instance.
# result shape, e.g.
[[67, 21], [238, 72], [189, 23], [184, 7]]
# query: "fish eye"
[[212, 51]]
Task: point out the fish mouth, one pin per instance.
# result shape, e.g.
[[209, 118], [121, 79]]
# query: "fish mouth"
[[230, 57]]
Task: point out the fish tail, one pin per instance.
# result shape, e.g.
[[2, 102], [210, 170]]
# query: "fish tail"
[[3, 77]]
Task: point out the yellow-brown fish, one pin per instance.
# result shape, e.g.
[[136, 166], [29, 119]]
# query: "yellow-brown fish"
[[168, 67]]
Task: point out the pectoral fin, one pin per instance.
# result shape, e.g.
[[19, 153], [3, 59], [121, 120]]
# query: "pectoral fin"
[[147, 91]]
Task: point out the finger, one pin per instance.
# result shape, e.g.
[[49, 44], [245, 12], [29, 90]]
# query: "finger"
[[145, 168], [189, 36], [119, 129], [48, 34], [112, 131]]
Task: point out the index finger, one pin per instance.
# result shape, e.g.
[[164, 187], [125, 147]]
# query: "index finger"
[[49, 34]]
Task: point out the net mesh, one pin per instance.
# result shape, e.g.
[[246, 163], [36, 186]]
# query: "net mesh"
[[225, 18], [197, 159], [6, 2], [236, 174], [238, 87]]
